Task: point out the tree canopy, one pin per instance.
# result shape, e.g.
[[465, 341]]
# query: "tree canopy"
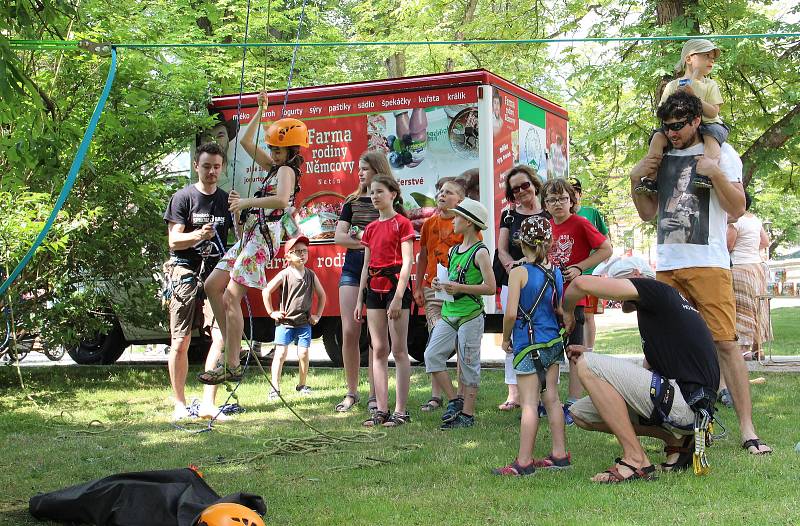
[[111, 230]]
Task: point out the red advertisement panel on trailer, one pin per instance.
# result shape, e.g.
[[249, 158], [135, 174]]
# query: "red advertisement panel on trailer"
[[427, 126]]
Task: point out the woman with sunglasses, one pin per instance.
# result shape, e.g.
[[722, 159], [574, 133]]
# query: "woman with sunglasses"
[[522, 192]]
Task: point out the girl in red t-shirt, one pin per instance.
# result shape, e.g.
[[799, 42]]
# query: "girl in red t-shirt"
[[388, 252], [574, 240]]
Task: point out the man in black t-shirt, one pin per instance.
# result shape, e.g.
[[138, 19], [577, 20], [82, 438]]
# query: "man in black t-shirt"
[[677, 346], [197, 221]]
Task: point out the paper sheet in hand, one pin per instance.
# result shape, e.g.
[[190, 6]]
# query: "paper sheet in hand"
[[444, 277]]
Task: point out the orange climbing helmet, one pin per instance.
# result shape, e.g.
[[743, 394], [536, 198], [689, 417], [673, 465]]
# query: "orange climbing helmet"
[[229, 514], [287, 132]]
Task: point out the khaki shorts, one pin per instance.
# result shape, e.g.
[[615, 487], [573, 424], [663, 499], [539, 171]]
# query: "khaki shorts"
[[632, 382], [467, 336], [186, 310], [433, 307], [710, 290]]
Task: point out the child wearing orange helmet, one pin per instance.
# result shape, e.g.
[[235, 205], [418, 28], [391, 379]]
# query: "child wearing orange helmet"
[[243, 266]]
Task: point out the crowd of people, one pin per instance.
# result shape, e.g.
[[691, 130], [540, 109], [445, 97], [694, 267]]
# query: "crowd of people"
[[552, 263]]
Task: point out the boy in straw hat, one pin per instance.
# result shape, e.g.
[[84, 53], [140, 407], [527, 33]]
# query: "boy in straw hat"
[[470, 276], [697, 60]]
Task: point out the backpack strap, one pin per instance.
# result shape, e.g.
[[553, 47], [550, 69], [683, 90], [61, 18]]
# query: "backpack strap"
[[462, 272]]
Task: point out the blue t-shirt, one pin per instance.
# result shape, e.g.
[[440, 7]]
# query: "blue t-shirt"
[[545, 321]]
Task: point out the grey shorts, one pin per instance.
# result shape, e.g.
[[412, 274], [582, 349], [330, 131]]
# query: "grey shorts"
[[718, 131], [632, 382], [467, 337]]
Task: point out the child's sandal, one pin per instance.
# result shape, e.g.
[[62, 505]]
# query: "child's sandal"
[[347, 403], [397, 419], [372, 405], [377, 419]]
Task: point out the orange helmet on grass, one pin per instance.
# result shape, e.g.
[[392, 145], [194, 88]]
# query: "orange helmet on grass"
[[229, 514], [287, 132]]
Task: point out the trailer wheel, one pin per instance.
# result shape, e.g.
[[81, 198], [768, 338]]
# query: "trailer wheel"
[[332, 339], [417, 337], [101, 349]]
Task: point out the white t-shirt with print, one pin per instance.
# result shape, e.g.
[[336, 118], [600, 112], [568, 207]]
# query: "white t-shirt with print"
[[704, 244]]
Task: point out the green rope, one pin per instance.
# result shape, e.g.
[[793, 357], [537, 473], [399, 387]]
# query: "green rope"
[[69, 44]]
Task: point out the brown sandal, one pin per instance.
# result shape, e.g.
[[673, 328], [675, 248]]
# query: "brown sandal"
[[646, 473]]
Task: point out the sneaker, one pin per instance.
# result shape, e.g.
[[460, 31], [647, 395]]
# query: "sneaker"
[[550, 462], [568, 421], [303, 389], [454, 407], [646, 187], [542, 410], [181, 412], [461, 420], [274, 395], [701, 181], [515, 470], [726, 398]]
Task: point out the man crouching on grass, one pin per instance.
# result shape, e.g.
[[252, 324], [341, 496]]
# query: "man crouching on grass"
[[684, 373]]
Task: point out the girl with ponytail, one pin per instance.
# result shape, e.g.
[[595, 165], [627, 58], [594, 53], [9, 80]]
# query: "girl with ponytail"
[[385, 289]]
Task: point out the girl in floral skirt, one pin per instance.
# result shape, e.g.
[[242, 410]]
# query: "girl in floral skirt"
[[243, 266]]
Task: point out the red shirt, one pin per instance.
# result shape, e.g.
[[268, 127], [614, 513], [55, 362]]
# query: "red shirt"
[[383, 238], [573, 241]]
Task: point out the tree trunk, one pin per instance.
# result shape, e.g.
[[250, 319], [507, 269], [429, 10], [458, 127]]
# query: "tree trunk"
[[396, 65], [773, 138]]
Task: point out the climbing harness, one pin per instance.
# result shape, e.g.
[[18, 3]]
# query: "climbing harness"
[[461, 271], [533, 348]]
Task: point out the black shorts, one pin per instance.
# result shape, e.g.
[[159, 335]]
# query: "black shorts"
[[381, 300], [576, 336]]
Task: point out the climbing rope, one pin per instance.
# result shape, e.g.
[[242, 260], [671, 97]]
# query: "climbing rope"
[[71, 177]]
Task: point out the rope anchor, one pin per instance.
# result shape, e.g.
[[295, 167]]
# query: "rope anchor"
[[101, 49]]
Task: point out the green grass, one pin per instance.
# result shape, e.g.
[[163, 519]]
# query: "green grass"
[[785, 328], [444, 481]]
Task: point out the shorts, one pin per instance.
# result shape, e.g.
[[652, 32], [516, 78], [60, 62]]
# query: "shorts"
[[632, 382], [716, 130], [381, 300], [576, 336], [351, 270], [548, 356], [433, 307], [349, 279], [300, 336], [710, 290], [594, 305], [187, 308], [467, 338]]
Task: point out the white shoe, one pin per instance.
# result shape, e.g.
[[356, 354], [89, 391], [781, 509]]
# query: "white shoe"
[[208, 412], [181, 412]]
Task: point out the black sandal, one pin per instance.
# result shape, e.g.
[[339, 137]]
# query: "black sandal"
[[684, 460], [343, 406], [433, 403], [756, 443], [398, 419], [377, 419]]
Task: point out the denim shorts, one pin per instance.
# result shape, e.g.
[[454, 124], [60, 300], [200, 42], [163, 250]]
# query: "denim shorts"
[[286, 335], [349, 279], [548, 356]]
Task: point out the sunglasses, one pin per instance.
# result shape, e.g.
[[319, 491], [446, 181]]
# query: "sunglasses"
[[675, 126], [523, 186]]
